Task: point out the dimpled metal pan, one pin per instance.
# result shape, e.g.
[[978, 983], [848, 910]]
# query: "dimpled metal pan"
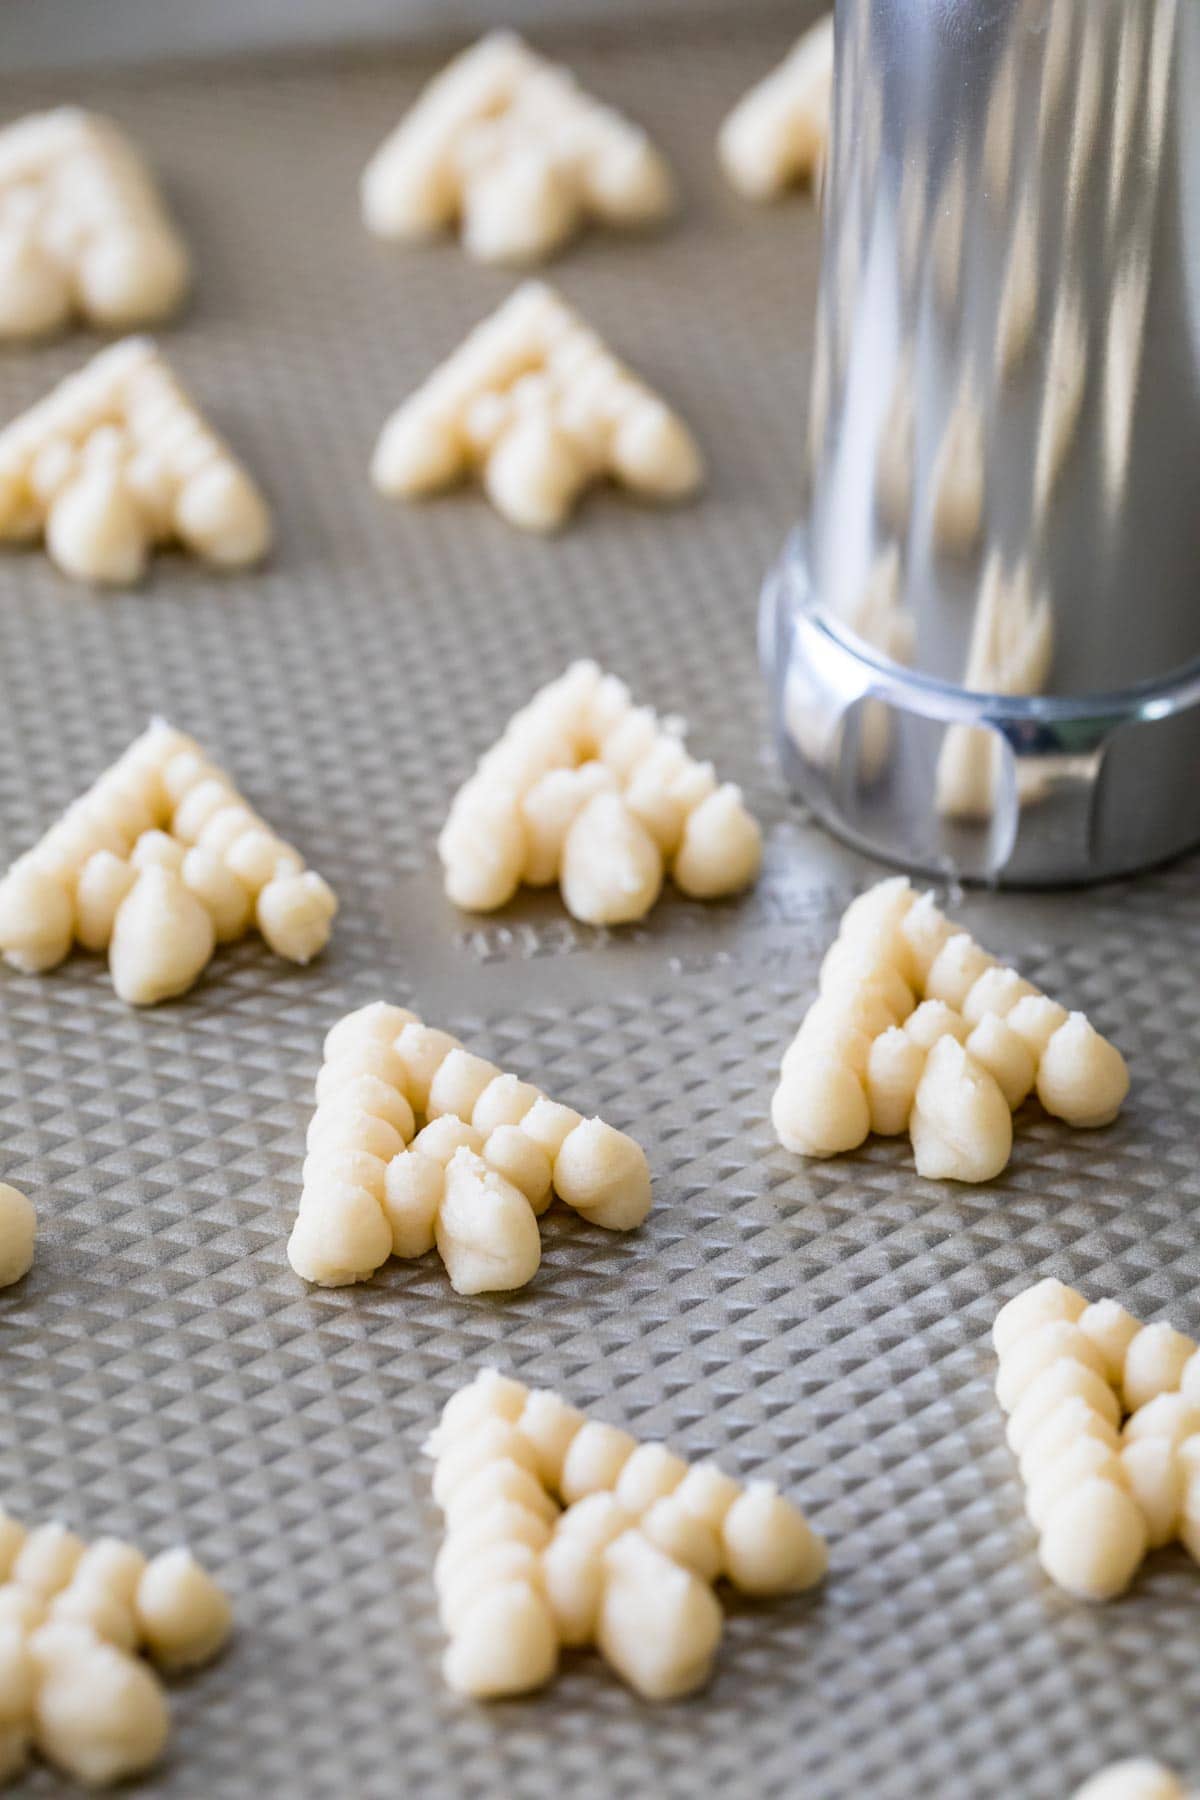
[[165, 1376]]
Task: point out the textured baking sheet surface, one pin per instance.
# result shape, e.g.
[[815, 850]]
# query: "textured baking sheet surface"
[[162, 1374]]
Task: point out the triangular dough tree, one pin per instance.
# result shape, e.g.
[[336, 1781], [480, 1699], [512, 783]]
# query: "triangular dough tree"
[[563, 1531], [83, 229], [1136, 1778], [916, 1028], [492, 1155], [540, 408], [1104, 1419], [778, 133], [161, 860], [18, 1234], [599, 795], [509, 145], [117, 459], [73, 1619]]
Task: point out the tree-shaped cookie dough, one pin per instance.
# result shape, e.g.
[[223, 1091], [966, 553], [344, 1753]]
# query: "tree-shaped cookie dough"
[[73, 1619], [491, 1156], [536, 404], [158, 863], [508, 146], [83, 230], [565, 1531], [601, 796], [915, 1027], [778, 133], [116, 460], [1104, 1417]]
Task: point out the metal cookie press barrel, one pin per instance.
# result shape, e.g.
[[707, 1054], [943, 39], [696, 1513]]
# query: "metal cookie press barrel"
[[983, 640]]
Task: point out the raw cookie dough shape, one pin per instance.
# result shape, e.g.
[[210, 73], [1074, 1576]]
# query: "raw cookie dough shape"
[[81, 1627], [510, 146], [1104, 1415], [537, 404], [564, 1531], [778, 133], [117, 459], [1139, 1778], [599, 795], [157, 863], [491, 1156], [18, 1234], [915, 1026], [83, 229]]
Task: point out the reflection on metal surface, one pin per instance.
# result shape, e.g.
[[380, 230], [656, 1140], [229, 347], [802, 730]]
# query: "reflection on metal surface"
[[896, 456], [1054, 21], [842, 127], [910, 220], [1019, 296], [818, 398], [1062, 398], [872, 131], [1122, 362], [1088, 90], [879, 617], [846, 281], [1014, 221], [1162, 45], [1012, 644], [947, 236], [959, 477], [999, 133], [1126, 323], [1127, 96]]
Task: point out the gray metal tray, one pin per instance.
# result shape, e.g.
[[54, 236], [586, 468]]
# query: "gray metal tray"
[[162, 1373]]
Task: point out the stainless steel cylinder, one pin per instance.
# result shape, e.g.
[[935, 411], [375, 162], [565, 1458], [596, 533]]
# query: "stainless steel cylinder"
[[983, 640]]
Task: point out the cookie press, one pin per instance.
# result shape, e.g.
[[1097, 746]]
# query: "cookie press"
[[983, 639]]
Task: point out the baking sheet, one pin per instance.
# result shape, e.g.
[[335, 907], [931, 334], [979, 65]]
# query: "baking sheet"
[[74, 34], [165, 1376]]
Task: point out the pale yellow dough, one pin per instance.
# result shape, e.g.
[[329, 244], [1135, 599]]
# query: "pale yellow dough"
[[778, 133], [158, 862], [18, 1233], [917, 1028], [116, 459], [565, 1531], [589, 790], [490, 1158], [509, 146], [183, 1616], [1100, 1492], [536, 403], [73, 1618], [83, 230], [1137, 1779]]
